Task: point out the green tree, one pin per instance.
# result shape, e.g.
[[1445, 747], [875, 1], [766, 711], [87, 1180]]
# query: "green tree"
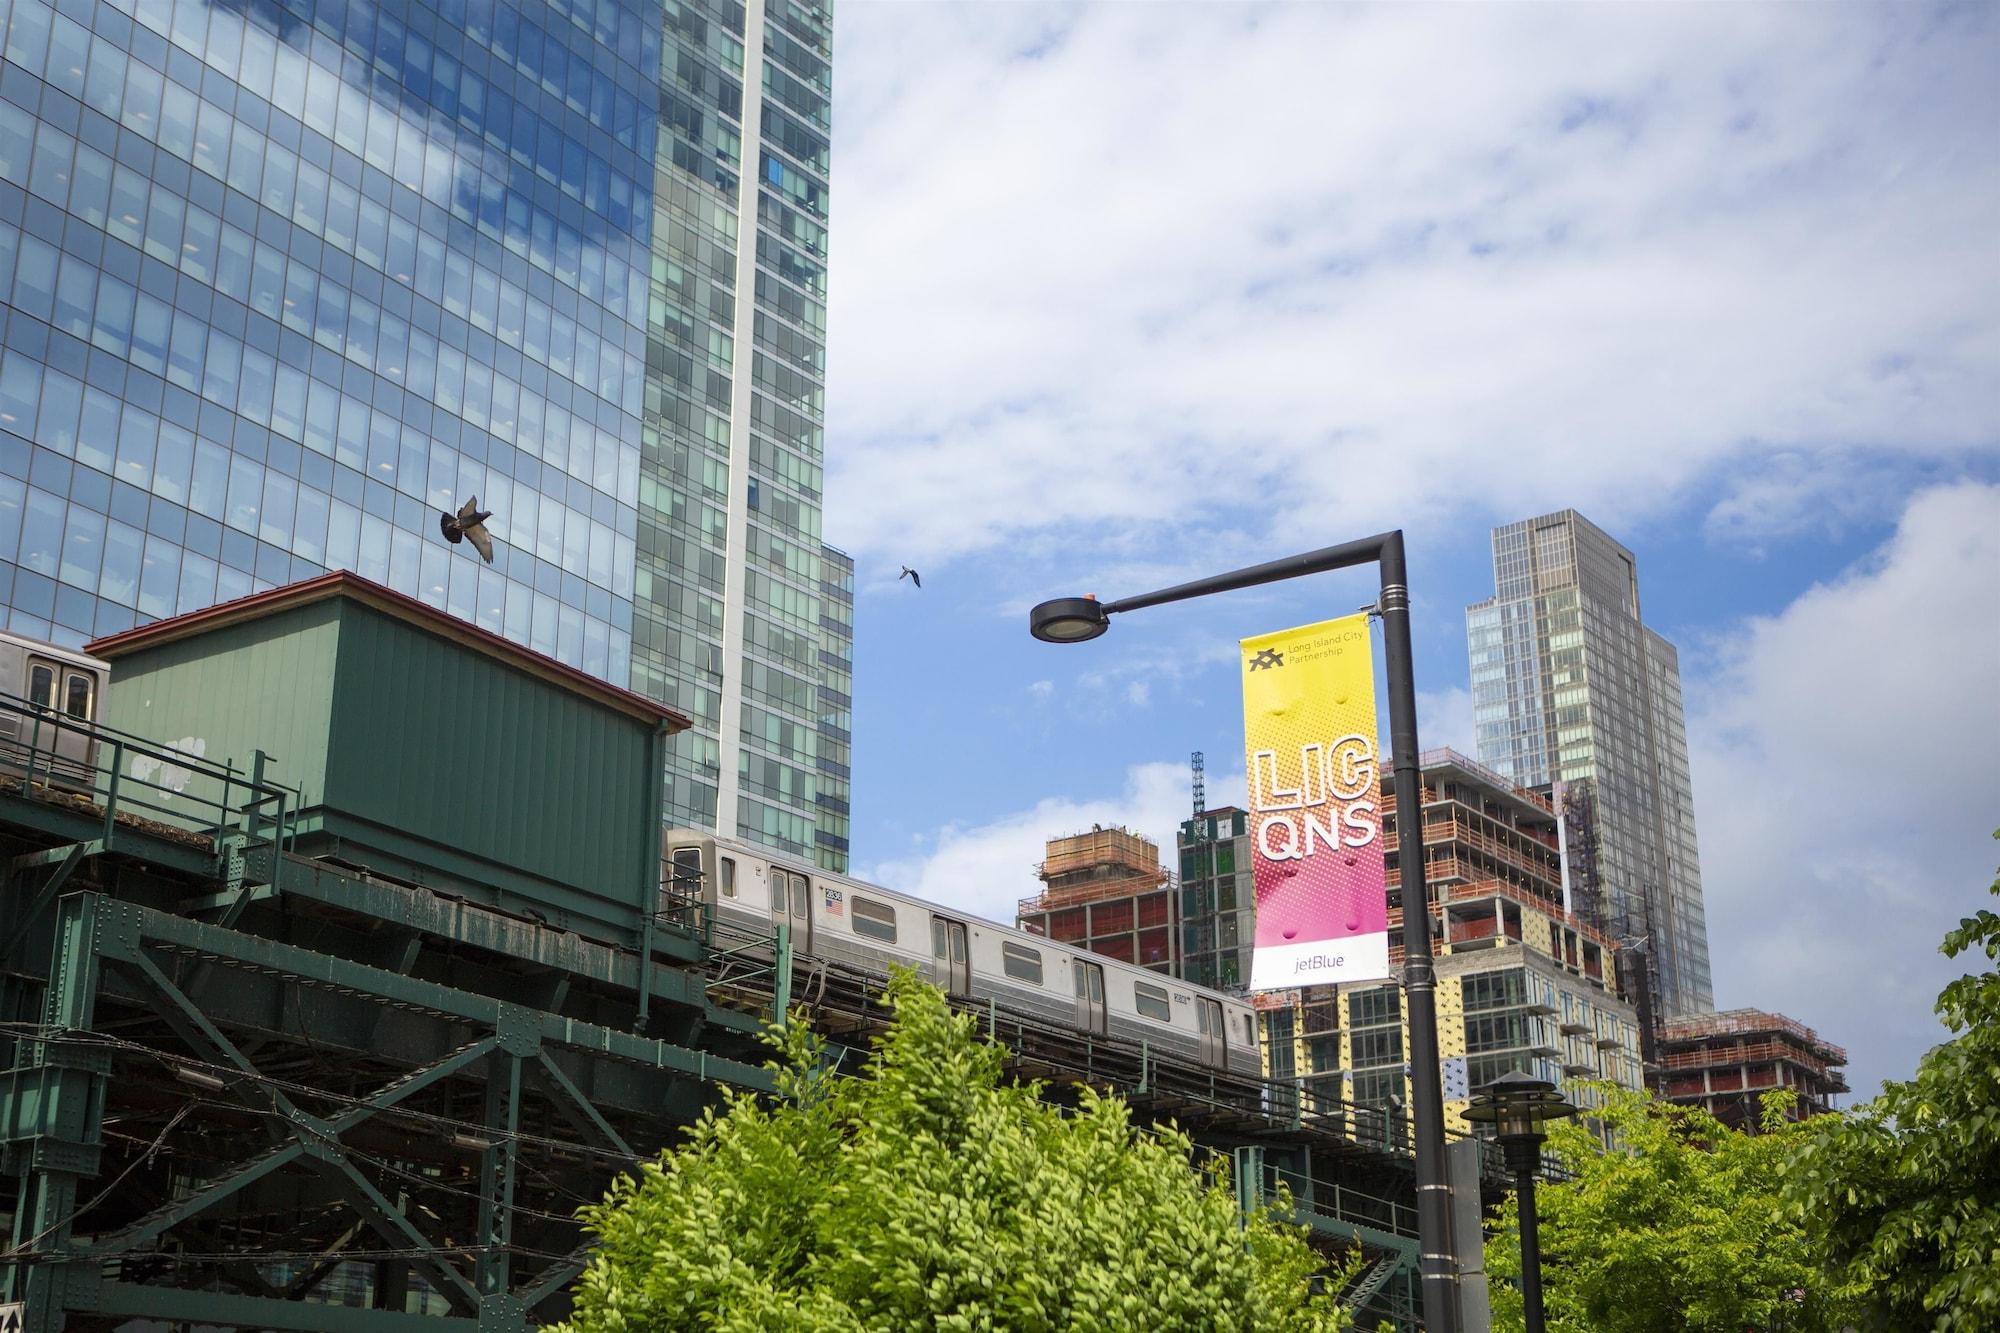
[[1904, 1192], [930, 1192], [1679, 1230]]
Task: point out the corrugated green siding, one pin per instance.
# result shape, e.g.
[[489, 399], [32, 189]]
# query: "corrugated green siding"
[[489, 762], [267, 685], [421, 756]]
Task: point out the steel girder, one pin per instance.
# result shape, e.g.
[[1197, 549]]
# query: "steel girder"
[[204, 984]]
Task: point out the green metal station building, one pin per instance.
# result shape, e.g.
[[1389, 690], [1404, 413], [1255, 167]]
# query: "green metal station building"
[[346, 971]]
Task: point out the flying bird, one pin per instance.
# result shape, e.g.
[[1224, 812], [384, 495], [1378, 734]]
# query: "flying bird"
[[469, 522], [911, 575]]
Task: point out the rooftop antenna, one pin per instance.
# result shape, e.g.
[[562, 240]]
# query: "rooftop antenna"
[[1196, 765]]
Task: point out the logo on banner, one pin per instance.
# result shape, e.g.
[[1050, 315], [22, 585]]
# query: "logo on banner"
[[1314, 774]]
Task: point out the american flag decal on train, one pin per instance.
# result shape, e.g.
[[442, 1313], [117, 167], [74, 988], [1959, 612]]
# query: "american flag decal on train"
[[833, 902]]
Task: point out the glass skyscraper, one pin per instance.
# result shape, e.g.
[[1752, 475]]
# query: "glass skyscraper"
[[282, 279], [743, 615], [1568, 685]]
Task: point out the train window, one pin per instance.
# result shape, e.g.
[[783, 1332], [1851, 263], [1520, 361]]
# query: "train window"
[[41, 684], [801, 897], [875, 920], [1250, 1029], [728, 878], [77, 701], [687, 869], [1152, 1002], [1022, 962]]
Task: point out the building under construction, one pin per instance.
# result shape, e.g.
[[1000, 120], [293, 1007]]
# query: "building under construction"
[[1523, 985], [1727, 1062], [1106, 891]]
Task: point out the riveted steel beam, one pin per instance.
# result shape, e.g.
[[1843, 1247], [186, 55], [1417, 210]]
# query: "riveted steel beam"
[[65, 860], [69, 1112], [573, 1106], [318, 1148], [130, 1300], [550, 1282], [193, 1205], [209, 943], [497, 1166]]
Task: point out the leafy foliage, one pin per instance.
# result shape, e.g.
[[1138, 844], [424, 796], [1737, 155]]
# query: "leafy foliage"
[[1682, 1230], [932, 1193], [1904, 1192]]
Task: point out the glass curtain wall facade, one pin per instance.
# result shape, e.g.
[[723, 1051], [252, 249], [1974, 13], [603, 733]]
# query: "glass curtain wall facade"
[[743, 617], [1218, 899], [1568, 685], [283, 280]]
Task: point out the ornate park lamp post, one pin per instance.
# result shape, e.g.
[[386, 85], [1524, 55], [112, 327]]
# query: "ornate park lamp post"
[[1517, 1105]]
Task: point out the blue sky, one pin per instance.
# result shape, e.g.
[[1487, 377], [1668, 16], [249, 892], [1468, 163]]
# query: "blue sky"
[[1126, 294]]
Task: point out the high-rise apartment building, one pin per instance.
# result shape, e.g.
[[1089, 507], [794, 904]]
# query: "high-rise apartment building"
[[743, 617], [281, 281], [1218, 899], [1570, 686]]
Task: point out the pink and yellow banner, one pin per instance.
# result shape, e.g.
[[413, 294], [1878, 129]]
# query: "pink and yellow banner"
[[1315, 818]]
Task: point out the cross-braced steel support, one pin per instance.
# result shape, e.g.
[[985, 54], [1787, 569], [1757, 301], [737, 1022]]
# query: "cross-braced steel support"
[[413, 1174]]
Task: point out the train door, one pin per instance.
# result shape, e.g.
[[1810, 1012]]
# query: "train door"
[[791, 901], [685, 879], [71, 694], [1214, 1050], [951, 960], [1089, 996]]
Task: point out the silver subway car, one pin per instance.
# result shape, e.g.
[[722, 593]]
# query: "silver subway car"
[[864, 926], [43, 689]]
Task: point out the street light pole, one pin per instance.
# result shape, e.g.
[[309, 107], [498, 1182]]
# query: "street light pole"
[[1518, 1105], [1521, 1155], [1074, 619]]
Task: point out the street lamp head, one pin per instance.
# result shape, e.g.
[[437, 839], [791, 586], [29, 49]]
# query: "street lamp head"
[[1517, 1105], [1068, 620]]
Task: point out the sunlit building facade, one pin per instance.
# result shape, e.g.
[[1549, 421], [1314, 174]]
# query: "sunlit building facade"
[[282, 279], [1569, 686], [743, 619]]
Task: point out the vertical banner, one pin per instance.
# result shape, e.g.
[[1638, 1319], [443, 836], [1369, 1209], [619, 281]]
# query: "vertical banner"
[[1315, 821]]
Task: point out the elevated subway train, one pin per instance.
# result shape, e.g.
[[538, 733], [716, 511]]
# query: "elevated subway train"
[[41, 687], [864, 926]]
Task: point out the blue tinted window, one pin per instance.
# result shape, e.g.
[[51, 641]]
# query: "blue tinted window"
[[41, 531], [62, 400], [82, 548], [20, 392]]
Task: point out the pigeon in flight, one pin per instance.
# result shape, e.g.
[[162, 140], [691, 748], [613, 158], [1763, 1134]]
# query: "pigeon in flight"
[[469, 522], [911, 575]]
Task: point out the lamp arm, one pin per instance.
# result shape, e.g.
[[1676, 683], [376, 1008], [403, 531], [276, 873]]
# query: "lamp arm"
[[1343, 556]]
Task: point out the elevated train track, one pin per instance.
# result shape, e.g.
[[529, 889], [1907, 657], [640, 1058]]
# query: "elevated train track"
[[249, 1077]]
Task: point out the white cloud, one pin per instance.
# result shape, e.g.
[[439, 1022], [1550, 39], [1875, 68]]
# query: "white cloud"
[[1846, 785], [1791, 494], [1400, 261], [1042, 690], [986, 869], [1444, 721], [1138, 694]]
